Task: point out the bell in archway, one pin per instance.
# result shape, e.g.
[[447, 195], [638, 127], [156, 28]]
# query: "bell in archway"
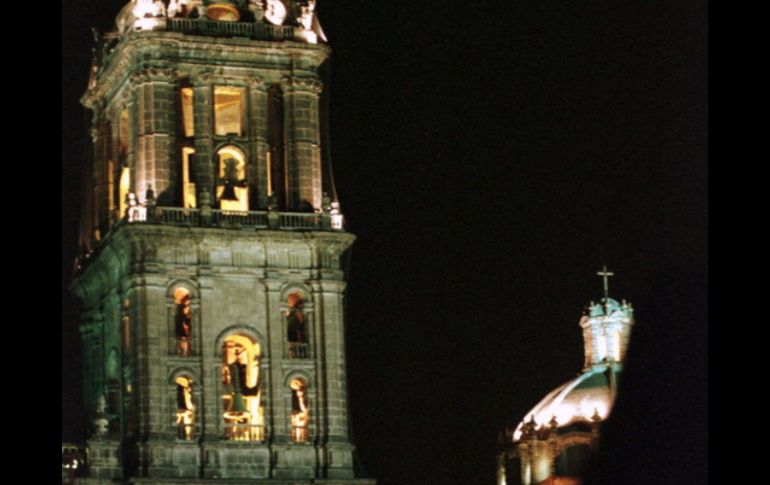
[[236, 408], [230, 180], [229, 192]]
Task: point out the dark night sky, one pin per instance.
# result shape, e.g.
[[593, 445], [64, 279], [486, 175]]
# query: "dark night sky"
[[490, 156]]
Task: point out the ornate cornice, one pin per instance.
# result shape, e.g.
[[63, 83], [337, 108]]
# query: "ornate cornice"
[[154, 74], [302, 84]]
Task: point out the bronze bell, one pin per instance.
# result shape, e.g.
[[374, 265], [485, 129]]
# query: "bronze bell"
[[229, 192], [236, 408]]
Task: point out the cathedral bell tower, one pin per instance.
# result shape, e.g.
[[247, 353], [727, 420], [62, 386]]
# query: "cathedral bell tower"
[[211, 279]]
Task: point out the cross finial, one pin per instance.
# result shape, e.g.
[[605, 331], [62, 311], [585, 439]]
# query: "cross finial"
[[605, 275]]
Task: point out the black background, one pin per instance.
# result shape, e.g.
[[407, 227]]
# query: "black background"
[[490, 157]]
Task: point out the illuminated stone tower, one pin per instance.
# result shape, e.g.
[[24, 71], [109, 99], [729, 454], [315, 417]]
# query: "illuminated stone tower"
[[556, 439], [211, 280]]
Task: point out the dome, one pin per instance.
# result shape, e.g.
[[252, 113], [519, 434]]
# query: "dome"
[[580, 400]]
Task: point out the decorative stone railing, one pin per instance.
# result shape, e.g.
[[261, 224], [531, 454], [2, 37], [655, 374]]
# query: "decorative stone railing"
[[292, 221], [244, 432], [203, 26], [297, 350]]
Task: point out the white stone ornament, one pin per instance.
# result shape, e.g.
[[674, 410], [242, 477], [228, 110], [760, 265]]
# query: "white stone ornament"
[[306, 15], [173, 8], [275, 11]]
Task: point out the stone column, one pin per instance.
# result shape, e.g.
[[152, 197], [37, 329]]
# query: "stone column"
[[258, 147], [87, 329], [339, 452], [275, 410], [155, 134], [203, 99], [99, 138], [154, 353], [210, 358], [334, 345], [303, 141]]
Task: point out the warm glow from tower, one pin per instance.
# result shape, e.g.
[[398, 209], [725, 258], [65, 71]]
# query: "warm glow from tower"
[[123, 188]]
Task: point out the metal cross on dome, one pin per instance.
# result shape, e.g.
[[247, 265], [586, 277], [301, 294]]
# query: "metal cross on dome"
[[605, 275]]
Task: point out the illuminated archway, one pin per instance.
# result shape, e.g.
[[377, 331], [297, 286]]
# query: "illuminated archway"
[[243, 412], [232, 189]]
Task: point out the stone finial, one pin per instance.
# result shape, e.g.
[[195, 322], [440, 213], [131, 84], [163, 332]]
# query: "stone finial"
[[553, 423], [596, 416], [272, 202], [149, 196], [326, 214], [326, 202], [101, 404]]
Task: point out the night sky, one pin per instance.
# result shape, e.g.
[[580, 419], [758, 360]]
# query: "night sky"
[[490, 157]]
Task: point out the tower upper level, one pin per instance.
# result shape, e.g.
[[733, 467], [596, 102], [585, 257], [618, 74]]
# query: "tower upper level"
[[258, 19], [207, 113], [606, 328]]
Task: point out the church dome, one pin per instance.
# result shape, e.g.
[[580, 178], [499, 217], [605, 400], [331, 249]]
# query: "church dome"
[[585, 399]]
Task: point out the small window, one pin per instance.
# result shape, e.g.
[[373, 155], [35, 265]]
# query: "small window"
[[228, 110], [189, 200], [300, 411], [182, 321], [188, 125], [185, 408]]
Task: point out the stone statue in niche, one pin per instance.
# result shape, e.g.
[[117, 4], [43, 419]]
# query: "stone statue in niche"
[[295, 328], [275, 11], [185, 408], [300, 411], [183, 325], [306, 11], [173, 8]]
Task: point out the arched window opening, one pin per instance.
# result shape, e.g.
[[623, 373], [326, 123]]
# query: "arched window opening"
[[276, 167], [232, 187], [300, 411], [182, 321], [185, 408], [242, 401], [296, 329]]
